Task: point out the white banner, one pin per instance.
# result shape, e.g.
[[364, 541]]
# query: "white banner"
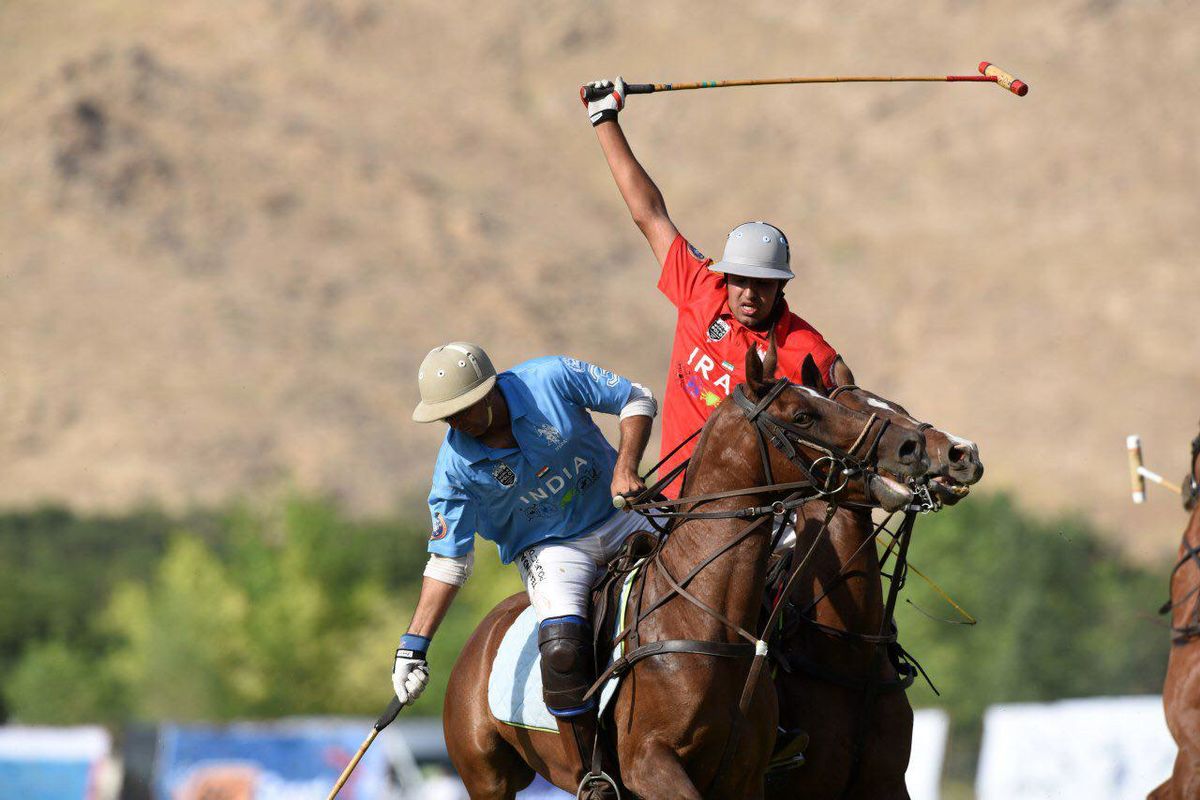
[[83, 743], [1105, 748], [924, 775]]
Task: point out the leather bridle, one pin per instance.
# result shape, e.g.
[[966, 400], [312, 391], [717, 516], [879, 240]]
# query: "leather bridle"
[[842, 465]]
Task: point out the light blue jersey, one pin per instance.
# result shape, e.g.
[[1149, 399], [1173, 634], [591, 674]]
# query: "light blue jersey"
[[554, 485]]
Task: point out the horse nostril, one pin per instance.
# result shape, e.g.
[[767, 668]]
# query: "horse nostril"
[[958, 454], [908, 451]]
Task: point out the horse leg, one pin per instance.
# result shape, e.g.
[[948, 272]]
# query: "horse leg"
[[490, 767], [887, 749], [655, 771]]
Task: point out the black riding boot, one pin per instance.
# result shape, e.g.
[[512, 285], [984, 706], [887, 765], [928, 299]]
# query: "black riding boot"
[[568, 669]]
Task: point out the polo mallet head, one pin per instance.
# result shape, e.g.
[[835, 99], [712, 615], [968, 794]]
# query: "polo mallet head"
[[1014, 85], [1136, 480]]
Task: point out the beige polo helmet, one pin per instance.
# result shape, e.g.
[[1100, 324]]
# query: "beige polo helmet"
[[452, 377]]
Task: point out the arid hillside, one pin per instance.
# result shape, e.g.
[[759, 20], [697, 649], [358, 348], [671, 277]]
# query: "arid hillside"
[[230, 231]]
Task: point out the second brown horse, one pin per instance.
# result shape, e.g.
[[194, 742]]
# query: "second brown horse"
[[1181, 691]]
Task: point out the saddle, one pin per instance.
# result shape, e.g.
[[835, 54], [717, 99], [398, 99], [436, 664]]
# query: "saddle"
[[606, 594], [515, 694]]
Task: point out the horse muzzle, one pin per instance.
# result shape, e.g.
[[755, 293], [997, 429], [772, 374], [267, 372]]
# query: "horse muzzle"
[[890, 493], [963, 464]]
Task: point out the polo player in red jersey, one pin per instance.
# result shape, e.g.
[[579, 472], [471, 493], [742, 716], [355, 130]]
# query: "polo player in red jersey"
[[723, 307]]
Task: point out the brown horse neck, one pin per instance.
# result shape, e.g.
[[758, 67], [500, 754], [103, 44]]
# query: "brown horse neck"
[[726, 458], [1187, 577], [846, 583]]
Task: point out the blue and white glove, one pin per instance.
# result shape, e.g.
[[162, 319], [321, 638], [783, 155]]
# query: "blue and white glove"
[[606, 107], [410, 673]]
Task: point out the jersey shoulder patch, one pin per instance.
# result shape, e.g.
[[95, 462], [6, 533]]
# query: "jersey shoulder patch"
[[440, 528], [696, 254]]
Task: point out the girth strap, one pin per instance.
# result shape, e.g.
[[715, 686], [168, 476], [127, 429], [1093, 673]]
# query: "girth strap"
[[701, 648]]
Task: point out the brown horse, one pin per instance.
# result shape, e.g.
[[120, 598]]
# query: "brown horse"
[[836, 681], [679, 734], [1181, 691]]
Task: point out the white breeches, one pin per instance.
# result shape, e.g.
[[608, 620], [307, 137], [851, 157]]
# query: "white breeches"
[[559, 574]]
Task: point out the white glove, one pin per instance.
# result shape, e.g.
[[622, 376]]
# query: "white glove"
[[606, 107], [410, 674]]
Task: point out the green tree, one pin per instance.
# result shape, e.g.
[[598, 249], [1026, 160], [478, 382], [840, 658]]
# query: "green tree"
[[1060, 614], [185, 649]]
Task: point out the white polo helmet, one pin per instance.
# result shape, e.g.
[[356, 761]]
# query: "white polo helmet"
[[756, 250], [452, 377]]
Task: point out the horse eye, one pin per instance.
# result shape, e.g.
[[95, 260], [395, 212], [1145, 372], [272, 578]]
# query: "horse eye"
[[804, 418]]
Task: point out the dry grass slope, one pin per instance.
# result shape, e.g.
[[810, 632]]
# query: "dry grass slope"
[[229, 231]]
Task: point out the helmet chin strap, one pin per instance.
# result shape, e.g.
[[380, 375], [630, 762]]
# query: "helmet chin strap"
[[489, 408]]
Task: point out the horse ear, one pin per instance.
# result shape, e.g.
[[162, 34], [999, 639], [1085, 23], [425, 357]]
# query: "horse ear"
[[754, 372], [810, 375], [770, 360]]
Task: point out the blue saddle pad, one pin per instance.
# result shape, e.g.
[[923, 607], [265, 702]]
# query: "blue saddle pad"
[[515, 685]]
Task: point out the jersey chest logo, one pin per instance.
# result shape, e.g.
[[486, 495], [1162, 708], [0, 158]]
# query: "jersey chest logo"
[[504, 475], [551, 434], [718, 330]]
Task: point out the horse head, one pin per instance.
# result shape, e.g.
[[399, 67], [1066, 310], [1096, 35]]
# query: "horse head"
[[813, 437], [954, 463]]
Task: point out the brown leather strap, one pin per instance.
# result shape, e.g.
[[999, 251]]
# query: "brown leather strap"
[[668, 647]]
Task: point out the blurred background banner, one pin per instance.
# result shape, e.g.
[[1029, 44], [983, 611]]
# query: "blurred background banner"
[[1112, 748], [294, 760], [43, 763]]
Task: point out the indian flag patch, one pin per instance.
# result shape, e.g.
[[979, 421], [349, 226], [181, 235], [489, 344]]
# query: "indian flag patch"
[[543, 471]]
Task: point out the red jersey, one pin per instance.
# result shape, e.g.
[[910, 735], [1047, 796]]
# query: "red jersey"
[[709, 354]]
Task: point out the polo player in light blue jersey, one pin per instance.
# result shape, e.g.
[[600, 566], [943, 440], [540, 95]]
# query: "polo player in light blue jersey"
[[523, 465]]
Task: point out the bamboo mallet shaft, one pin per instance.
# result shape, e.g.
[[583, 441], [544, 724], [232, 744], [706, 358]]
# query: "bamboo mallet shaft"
[[989, 73], [384, 720], [345, 776]]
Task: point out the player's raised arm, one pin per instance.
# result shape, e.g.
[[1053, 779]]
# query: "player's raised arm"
[[641, 195]]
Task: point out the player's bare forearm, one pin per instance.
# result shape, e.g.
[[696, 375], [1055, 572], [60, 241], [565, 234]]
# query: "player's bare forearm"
[[432, 606], [641, 195], [635, 434]]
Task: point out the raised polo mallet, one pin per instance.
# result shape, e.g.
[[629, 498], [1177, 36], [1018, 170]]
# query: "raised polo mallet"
[[384, 720], [988, 73], [1138, 473]]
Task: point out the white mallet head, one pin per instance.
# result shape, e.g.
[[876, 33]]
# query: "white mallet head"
[[1137, 482]]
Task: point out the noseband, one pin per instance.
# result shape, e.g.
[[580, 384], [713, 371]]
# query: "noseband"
[[785, 437]]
